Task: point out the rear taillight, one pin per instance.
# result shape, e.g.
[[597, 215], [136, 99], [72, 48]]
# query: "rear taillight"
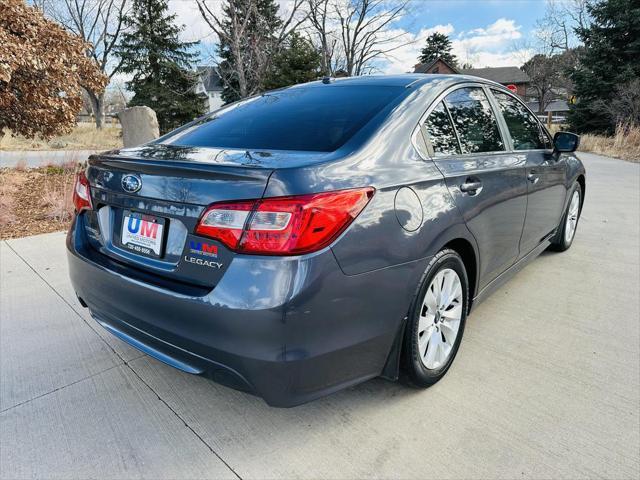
[[81, 193], [284, 225]]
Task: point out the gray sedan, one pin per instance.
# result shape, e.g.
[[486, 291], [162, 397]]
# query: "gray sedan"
[[311, 238]]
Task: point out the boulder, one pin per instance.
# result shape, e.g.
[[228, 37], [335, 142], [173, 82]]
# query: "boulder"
[[139, 125]]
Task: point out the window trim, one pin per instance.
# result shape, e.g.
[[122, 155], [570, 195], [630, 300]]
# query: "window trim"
[[541, 126], [453, 126], [420, 128], [427, 138]]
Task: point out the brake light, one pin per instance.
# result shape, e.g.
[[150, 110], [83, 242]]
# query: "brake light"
[[284, 225], [225, 222], [81, 193]]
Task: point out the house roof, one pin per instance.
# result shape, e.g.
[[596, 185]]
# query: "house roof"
[[504, 75], [554, 106], [423, 67], [210, 78]]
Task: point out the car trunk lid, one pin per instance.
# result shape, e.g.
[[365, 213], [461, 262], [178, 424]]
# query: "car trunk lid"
[[151, 228]]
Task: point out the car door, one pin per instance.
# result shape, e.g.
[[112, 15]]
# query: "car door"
[[487, 182], [545, 172]]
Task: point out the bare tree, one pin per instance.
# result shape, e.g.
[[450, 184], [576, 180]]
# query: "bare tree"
[[556, 31], [320, 12], [99, 23], [234, 34], [552, 51], [251, 41], [624, 108], [354, 33], [543, 72], [293, 20], [42, 5]]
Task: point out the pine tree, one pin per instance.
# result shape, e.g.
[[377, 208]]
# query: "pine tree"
[[247, 53], [609, 61], [299, 62], [161, 64], [438, 45]]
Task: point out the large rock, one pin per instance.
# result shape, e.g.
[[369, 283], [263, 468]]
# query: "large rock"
[[139, 125]]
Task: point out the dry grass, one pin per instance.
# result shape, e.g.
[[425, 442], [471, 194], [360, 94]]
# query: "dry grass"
[[83, 137], [556, 127], [37, 200], [8, 188], [57, 199], [625, 144]]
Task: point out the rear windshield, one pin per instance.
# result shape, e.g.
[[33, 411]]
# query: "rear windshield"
[[320, 118]]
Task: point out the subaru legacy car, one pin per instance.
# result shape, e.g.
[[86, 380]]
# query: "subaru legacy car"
[[308, 239]]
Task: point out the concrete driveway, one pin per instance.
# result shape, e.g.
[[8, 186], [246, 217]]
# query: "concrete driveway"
[[546, 384]]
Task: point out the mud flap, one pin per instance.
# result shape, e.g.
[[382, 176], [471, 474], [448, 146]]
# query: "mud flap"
[[391, 370]]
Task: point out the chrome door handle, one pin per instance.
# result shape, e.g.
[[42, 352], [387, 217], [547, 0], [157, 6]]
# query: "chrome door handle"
[[533, 178], [471, 187]]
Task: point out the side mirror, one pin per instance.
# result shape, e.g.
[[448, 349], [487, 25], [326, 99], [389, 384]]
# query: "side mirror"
[[565, 142]]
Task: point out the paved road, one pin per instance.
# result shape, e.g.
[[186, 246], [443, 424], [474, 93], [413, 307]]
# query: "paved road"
[[546, 384], [37, 158]]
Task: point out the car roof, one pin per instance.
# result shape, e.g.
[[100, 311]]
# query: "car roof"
[[401, 80]]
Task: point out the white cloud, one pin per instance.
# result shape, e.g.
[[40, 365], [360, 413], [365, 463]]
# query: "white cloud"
[[495, 38], [506, 59], [444, 29], [196, 29], [491, 46]]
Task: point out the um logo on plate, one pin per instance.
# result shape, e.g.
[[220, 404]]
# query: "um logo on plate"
[[142, 227]]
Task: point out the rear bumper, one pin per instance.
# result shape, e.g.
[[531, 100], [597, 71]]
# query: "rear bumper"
[[286, 329]]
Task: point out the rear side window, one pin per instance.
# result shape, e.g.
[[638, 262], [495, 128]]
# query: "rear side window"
[[441, 133], [320, 118], [525, 130], [474, 121]]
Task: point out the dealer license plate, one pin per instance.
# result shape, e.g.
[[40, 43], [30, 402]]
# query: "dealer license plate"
[[142, 234]]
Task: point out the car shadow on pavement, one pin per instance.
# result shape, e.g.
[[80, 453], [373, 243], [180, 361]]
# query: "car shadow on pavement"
[[204, 400]]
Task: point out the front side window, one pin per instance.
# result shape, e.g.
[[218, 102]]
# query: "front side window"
[[440, 131], [524, 128], [474, 121]]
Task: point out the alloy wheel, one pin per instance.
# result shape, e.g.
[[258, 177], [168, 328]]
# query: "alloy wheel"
[[440, 317], [572, 217]]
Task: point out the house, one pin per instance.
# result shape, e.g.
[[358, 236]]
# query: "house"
[[504, 75], [511, 77], [211, 85], [555, 112], [436, 66]]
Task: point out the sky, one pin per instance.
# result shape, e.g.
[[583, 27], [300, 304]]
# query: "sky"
[[485, 33]]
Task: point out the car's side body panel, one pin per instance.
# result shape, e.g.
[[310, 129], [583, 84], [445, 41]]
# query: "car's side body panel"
[[495, 214], [387, 161], [547, 190]]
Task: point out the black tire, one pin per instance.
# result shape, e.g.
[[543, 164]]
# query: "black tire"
[[417, 374], [559, 242]]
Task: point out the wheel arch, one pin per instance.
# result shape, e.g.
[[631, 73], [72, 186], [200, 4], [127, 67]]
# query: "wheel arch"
[[583, 186], [463, 246]]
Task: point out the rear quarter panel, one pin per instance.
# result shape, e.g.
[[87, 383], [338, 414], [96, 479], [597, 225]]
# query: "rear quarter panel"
[[389, 162]]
